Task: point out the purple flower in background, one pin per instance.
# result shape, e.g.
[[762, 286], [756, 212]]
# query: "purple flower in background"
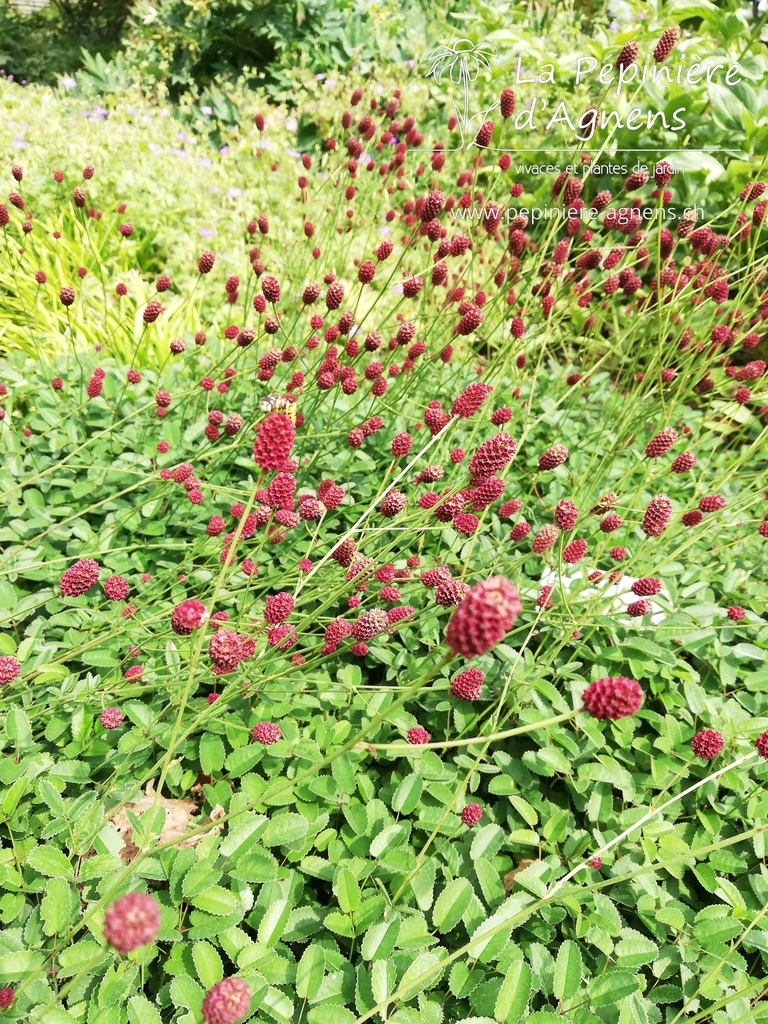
[[294, 153], [291, 124], [205, 161], [206, 233], [384, 229], [20, 144], [206, 110], [397, 289], [233, 193], [224, 150], [320, 77], [331, 82], [214, 190]]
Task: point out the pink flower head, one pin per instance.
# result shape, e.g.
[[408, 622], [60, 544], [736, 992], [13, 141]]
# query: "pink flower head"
[[79, 578], [227, 1002], [613, 697], [484, 617], [470, 400], [131, 921], [190, 614]]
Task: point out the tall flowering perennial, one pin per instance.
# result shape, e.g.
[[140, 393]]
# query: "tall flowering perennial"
[[484, 617]]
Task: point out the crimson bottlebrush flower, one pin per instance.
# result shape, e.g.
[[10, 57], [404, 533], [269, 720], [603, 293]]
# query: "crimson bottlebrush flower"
[[707, 744], [761, 744], [334, 295], [613, 697], [206, 262], [6, 998], [78, 197], [468, 685], [278, 608], [370, 624], [57, 383], [344, 552], [67, 295], [493, 454], [636, 609], [610, 523], [450, 593], [484, 617], [507, 103], [575, 551], [510, 508], [736, 613], [627, 55], [636, 180], [10, 668], [544, 539], [412, 287], [471, 319], [520, 531], [434, 577], [116, 588], [215, 526], [691, 518], [111, 718], [227, 649], [553, 457], [683, 462], [392, 504], [152, 311], [646, 587], [190, 614], [657, 516], [274, 441], [417, 736], [270, 289], [488, 490], [566, 515], [661, 443], [227, 1001], [266, 733], [336, 631], [401, 444], [712, 503], [606, 503], [665, 44], [397, 614], [131, 921], [79, 578], [466, 523], [471, 814], [366, 272], [470, 400]]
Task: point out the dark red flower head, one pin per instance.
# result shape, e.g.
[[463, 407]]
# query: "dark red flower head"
[[484, 617], [613, 697]]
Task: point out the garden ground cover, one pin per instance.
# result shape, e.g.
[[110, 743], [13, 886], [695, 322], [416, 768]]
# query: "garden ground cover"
[[383, 575]]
